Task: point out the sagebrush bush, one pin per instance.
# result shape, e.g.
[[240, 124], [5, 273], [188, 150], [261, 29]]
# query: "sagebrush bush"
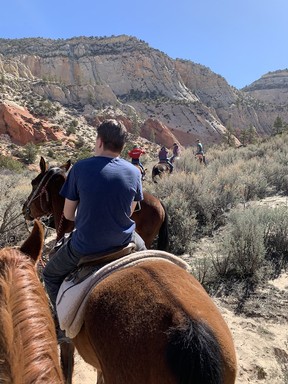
[[243, 244], [276, 238], [10, 164], [174, 192], [254, 248], [12, 224]]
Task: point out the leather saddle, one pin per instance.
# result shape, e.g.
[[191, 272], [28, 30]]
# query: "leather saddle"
[[90, 263]]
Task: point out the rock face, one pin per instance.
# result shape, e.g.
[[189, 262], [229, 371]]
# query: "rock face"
[[123, 73], [157, 132], [270, 88], [22, 127]]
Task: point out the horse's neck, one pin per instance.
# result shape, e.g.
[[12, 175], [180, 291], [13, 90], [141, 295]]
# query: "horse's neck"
[[62, 225], [57, 209], [24, 302]]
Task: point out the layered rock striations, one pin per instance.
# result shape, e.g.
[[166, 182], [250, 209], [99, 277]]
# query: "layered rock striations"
[[123, 73]]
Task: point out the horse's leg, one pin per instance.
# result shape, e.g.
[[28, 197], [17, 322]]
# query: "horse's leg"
[[163, 236], [154, 175], [67, 361]]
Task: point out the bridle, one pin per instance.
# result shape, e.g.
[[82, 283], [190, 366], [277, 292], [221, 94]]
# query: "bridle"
[[41, 189]]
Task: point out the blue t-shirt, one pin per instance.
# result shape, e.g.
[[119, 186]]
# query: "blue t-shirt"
[[105, 188]]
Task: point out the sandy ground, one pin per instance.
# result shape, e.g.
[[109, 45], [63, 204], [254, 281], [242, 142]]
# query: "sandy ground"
[[83, 373]]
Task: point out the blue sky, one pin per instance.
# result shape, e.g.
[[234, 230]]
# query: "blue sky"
[[240, 40]]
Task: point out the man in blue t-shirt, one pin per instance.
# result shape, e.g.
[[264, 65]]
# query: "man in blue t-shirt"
[[101, 193]]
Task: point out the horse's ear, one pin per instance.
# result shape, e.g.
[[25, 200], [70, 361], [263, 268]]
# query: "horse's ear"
[[34, 244], [66, 166], [43, 165]]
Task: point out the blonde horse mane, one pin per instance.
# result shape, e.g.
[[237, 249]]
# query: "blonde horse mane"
[[28, 347]]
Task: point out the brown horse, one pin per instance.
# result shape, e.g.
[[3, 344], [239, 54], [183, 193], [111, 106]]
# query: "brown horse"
[[159, 170], [142, 171], [154, 323], [201, 158], [28, 346], [151, 220]]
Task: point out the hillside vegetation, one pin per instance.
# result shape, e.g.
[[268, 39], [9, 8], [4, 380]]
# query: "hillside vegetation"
[[217, 208], [200, 201]]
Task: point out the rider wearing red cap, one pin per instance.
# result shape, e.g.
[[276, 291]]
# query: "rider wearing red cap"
[[135, 154]]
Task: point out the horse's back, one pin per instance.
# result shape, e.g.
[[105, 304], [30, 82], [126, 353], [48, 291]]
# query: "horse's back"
[[136, 313], [159, 170], [150, 219]]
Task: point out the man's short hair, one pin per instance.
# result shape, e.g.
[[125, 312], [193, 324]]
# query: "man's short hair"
[[113, 133]]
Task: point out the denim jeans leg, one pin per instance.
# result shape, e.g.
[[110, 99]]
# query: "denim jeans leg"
[[139, 242], [63, 262]]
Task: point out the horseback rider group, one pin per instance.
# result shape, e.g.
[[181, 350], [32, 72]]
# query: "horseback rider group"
[[163, 155]]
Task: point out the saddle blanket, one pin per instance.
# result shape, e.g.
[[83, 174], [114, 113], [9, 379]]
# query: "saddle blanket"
[[72, 298]]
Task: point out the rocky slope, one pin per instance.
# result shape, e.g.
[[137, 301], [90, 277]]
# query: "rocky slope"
[[271, 88], [123, 77]]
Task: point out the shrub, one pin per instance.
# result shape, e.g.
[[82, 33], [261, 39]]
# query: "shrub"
[[243, 244], [12, 224], [10, 164], [29, 153], [254, 249]]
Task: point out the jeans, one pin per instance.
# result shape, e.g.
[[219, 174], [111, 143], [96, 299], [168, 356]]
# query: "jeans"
[[64, 261]]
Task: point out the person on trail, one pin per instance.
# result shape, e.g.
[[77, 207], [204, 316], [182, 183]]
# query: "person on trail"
[[101, 193], [163, 157], [135, 154], [175, 152], [200, 151]]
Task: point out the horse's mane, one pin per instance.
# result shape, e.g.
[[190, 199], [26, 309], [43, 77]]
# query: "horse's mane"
[[28, 349]]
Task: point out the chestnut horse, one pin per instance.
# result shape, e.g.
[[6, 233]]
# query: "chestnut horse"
[[200, 158], [159, 170], [149, 323], [142, 171], [28, 346], [151, 220]]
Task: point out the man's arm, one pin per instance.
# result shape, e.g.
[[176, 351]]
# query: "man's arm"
[[70, 209]]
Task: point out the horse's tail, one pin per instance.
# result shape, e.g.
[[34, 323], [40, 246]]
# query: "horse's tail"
[[194, 355], [163, 236]]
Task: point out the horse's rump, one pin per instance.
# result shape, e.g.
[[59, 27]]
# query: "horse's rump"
[[74, 291], [159, 170], [149, 313], [201, 158]]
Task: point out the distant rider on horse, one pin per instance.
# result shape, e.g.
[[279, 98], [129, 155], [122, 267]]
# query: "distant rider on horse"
[[135, 154], [175, 151], [163, 157], [200, 151]]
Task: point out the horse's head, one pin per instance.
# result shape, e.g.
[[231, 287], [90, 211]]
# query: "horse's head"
[[38, 203]]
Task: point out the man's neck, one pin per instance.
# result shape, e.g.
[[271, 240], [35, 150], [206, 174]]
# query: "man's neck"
[[106, 153]]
